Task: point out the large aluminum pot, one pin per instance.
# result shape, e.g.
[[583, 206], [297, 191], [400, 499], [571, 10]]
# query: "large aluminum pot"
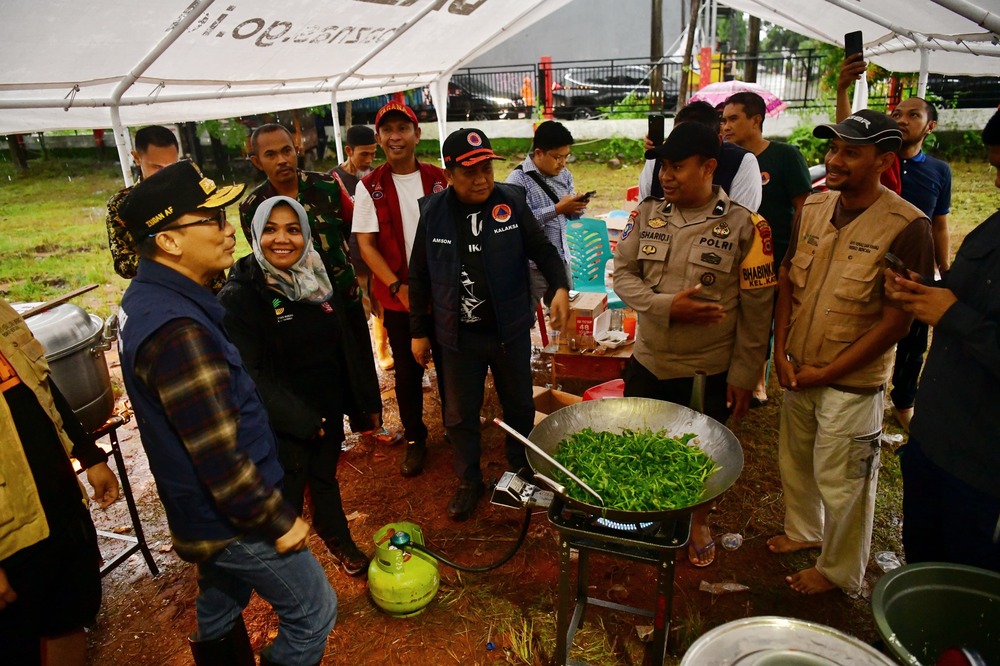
[[75, 343], [619, 414], [780, 641]]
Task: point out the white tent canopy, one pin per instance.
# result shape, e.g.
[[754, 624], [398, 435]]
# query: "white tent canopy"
[[942, 36], [93, 63]]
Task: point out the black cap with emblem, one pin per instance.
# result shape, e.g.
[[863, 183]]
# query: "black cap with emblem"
[[170, 193], [685, 140]]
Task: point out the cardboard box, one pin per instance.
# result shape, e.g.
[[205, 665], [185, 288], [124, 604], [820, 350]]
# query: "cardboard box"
[[585, 308], [548, 400]]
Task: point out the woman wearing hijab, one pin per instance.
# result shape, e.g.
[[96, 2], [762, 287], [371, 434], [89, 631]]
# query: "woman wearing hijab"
[[291, 327]]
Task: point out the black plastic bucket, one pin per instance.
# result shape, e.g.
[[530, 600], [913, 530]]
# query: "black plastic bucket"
[[923, 609]]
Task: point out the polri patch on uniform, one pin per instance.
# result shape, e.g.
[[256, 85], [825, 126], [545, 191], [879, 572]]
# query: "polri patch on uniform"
[[668, 208], [708, 279], [657, 223], [711, 258], [438, 187], [720, 208], [649, 249], [501, 213], [721, 230], [764, 229], [628, 228]]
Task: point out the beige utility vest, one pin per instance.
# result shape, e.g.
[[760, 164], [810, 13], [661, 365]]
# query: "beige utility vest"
[[837, 284], [22, 519]]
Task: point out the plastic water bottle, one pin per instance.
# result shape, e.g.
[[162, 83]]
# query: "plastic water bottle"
[[731, 541]]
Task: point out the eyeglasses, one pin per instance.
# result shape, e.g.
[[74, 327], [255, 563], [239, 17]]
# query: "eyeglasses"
[[561, 159], [219, 220]]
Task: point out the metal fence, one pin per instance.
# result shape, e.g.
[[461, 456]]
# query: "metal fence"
[[624, 87]]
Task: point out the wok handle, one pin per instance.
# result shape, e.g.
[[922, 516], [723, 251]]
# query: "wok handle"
[[558, 487], [562, 468]]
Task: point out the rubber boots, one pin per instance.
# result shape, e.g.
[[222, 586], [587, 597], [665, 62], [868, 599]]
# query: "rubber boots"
[[233, 649]]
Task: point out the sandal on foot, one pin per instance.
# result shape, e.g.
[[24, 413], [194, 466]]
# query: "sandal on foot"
[[701, 557]]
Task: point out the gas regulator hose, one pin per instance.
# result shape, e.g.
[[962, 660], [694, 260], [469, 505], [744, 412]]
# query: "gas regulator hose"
[[489, 567]]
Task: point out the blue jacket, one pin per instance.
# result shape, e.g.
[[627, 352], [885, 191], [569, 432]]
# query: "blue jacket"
[[435, 265], [158, 295]]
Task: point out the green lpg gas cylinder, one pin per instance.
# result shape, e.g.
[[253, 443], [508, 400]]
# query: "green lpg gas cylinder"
[[401, 582]]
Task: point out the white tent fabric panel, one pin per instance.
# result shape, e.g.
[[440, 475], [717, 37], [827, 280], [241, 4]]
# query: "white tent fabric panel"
[[236, 56], [895, 30]]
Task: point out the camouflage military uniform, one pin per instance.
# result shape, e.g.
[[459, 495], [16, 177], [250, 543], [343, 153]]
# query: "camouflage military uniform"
[[322, 197], [123, 252], [119, 239]]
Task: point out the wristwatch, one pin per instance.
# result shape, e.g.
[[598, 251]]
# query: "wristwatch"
[[394, 287]]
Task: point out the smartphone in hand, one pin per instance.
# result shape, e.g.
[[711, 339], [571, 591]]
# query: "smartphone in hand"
[[654, 129], [853, 43], [587, 195], [897, 265]]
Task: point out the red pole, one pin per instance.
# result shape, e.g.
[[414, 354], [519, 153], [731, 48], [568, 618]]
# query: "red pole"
[[545, 67]]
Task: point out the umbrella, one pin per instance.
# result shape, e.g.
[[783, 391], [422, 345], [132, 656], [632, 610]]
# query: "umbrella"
[[717, 93]]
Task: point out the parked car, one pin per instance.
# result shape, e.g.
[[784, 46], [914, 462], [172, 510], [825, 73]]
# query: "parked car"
[[470, 98], [964, 92], [584, 90]]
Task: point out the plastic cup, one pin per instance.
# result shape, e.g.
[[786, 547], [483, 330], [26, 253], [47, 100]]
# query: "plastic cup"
[[628, 325]]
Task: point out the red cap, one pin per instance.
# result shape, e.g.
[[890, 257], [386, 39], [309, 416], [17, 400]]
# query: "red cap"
[[397, 107]]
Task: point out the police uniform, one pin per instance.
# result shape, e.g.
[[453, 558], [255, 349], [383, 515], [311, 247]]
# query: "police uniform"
[[724, 247]]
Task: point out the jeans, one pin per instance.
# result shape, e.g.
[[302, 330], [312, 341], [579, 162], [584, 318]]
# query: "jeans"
[[944, 518], [909, 360], [294, 584], [465, 383], [409, 375]]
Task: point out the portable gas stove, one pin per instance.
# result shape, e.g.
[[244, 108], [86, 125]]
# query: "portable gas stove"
[[653, 543]]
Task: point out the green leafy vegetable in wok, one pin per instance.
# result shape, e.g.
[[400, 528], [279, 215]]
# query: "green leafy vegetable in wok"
[[636, 470]]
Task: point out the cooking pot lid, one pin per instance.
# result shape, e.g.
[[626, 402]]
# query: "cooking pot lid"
[[63, 329], [780, 640]]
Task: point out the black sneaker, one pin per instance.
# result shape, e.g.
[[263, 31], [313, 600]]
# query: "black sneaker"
[[413, 463], [464, 502], [348, 557]]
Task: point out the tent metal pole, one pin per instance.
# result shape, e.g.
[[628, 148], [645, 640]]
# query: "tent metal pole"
[[925, 62], [409, 23], [852, 6], [439, 95], [978, 15], [124, 145], [337, 138], [129, 79]]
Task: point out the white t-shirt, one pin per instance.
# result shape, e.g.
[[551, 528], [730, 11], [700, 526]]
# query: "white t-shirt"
[[409, 188]]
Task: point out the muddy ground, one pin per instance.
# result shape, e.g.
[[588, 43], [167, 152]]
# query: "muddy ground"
[[146, 620]]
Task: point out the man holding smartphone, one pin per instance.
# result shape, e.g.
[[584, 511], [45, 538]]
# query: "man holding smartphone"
[[951, 504], [549, 185]]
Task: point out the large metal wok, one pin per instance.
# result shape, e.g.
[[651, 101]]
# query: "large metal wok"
[[619, 414]]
